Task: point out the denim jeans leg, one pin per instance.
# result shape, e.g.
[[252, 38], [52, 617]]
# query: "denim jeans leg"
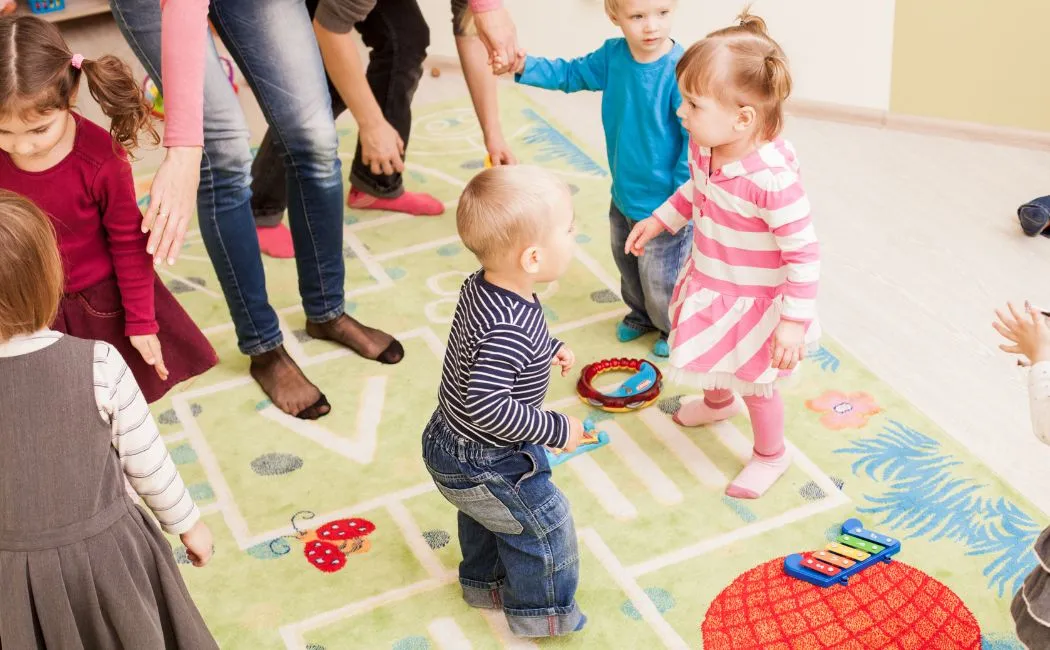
[[398, 36], [543, 563], [289, 83], [481, 573], [630, 276], [659, 269], [269, 190], [223, 205]]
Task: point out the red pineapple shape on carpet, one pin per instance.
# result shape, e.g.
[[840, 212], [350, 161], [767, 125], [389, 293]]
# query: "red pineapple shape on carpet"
[[886, 606]]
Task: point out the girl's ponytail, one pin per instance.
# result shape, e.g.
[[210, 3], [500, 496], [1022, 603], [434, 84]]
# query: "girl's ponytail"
[[751, 22], [118, 94]]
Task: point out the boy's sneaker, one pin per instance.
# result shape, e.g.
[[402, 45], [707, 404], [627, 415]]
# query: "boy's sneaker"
[[626, 333], [661, 348]]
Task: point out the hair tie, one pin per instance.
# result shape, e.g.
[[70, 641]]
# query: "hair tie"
[[78, 60]]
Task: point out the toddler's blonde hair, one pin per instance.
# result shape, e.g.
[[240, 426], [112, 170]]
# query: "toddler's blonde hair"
[[740, 66], [31, 276], [507, 207]]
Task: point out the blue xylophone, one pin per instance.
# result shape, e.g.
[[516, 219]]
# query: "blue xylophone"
[[856, 549]]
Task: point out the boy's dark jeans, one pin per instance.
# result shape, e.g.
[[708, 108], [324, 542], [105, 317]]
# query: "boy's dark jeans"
[[515, 530], [398, 36]]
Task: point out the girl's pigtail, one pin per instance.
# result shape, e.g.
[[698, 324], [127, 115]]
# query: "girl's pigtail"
[[118, 94]]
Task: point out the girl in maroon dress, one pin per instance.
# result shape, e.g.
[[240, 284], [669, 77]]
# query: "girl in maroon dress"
[[79, 174]]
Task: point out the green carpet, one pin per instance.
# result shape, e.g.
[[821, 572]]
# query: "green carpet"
[[658, 538]]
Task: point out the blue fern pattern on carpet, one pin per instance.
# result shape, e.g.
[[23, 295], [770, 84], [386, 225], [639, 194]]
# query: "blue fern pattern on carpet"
[[925, 499], [827, 360], [556, 146]]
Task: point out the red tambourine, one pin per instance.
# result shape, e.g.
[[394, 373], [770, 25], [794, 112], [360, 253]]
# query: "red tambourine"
[[640, 390]]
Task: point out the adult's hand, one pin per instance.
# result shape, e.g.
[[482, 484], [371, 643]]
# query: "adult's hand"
[[382, 149], [496, 30], [172, 200]]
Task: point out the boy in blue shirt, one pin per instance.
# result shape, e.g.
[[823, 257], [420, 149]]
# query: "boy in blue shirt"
[[647, 148]]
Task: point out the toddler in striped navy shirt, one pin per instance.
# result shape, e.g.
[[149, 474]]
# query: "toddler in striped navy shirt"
[[484, 445]]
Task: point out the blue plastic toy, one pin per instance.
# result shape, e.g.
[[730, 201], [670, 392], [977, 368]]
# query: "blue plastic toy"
[[856, 549], [591, 440]]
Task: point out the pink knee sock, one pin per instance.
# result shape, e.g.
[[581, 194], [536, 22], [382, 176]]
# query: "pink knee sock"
[[717, 405], [770, 459]]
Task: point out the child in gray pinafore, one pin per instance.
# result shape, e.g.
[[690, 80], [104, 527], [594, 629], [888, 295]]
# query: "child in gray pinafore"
[[81, 566]]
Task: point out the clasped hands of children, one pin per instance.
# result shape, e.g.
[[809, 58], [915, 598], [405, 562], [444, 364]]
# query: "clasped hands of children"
[[789, 347]]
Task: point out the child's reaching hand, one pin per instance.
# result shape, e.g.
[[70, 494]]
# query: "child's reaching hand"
[[149, 347], [1027, 332], [564, 358], [198, 543], [575, 434], [643, 232], [788, 345]]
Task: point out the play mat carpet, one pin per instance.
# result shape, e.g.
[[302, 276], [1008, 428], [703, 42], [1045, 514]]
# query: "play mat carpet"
[[668, 561]]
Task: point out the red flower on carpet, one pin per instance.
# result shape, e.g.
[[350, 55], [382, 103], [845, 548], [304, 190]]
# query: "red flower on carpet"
[[844, 411]]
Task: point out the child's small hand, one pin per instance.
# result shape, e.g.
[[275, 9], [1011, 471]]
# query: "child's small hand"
[[198, 543], [643, 232], [1028, 333], [564, 358], [499, 66], [575, 434], [788, 348], [149, 347]]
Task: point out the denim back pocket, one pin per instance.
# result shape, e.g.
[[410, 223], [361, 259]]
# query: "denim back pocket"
[[482, 506]]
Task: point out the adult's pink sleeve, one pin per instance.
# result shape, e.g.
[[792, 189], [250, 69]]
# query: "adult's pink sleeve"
[[479, 6], [183, 47]]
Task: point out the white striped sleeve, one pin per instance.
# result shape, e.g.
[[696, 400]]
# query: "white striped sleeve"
[[142, 453]]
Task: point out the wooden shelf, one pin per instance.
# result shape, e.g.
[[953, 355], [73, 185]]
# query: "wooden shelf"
[[74, 10]]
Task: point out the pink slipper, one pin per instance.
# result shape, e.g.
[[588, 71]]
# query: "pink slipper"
[[276, 241], [415, 203]]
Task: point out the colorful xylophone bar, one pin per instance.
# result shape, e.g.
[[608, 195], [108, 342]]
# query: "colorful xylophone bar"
[[856, 549]]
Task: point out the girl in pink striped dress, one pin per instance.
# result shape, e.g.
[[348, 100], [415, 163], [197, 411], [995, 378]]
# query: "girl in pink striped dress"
[[743, 311]]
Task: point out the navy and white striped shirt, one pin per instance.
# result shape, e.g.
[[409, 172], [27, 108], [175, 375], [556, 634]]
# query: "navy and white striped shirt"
[[497, 369]]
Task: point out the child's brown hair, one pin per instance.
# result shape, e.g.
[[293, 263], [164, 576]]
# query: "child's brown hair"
[[31, 275], [740, 66], [37, 75]]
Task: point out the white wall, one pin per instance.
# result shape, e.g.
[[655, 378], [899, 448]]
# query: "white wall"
[[841, 50]]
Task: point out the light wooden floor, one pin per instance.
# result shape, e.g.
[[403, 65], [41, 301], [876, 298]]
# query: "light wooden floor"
[[920, 244]]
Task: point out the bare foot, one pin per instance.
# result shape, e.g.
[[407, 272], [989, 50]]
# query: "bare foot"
[[367, 342], [286, 385]]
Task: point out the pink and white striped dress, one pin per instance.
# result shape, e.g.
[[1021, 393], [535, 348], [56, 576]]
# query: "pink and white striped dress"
[[755, 261]]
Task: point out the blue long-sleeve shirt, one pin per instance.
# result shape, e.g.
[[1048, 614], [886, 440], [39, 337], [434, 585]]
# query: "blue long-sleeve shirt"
[[647, 147]]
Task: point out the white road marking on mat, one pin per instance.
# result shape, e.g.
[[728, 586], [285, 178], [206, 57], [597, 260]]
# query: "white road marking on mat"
[[292, 634], [224, 500], [694, 458], [436, 173], [448, 635], [602, 487], [361, 446], [417, 248], [595, 318], [641, 465], [498, 624], [626, 582], [374, 268], [596, 268], [414, 537], [740, 534]]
